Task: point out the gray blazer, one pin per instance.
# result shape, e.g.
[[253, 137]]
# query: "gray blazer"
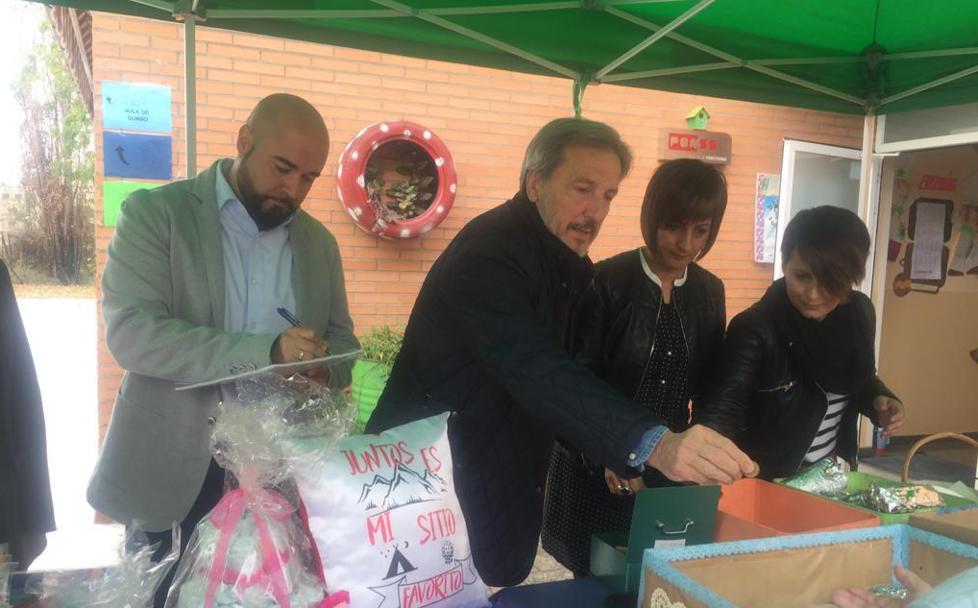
[[163, 303]]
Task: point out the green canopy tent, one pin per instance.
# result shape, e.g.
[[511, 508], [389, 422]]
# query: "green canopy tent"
[[852, 56]]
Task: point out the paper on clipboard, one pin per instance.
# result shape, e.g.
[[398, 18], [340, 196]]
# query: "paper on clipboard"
[[282, 369], [928, 242]]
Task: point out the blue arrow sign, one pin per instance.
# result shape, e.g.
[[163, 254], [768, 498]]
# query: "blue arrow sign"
[[137, 155]]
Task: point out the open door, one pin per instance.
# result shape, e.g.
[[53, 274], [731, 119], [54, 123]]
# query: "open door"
[[819, 174]]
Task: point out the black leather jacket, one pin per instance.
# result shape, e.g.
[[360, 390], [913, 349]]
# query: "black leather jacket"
[[615, 321], [769, 406]]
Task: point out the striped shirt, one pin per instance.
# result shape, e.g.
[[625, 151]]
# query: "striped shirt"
[[828, 431]]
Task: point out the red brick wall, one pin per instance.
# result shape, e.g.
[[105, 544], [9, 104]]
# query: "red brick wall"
[[486, 117]]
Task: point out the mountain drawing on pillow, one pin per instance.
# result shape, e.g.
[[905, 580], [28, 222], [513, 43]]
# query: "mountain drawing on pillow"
[[404, 487]]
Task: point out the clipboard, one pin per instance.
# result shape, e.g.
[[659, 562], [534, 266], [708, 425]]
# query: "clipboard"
[[282, 369]]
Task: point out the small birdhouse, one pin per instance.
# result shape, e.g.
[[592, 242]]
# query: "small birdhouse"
[[697, 118]]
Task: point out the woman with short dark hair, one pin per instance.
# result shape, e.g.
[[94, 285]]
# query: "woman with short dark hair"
[[651, 324], [799, 366]]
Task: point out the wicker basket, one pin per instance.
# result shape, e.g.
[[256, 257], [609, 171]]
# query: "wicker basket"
[[931, 438]]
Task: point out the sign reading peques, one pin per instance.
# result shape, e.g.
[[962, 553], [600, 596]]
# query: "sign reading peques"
[[707, 146]]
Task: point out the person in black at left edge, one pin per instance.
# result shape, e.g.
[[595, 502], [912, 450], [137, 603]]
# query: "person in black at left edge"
[[26, 508]]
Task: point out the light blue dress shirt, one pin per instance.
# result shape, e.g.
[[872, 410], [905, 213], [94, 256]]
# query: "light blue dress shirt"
[[257, 268]]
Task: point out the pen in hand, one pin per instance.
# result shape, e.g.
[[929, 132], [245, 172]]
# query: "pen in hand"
[[288, 316], [321, 347]]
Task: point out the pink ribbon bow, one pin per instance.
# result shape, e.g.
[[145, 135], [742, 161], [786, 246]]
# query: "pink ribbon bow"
[[225, 517]]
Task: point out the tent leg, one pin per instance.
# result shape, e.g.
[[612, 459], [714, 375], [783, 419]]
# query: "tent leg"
[[190, 90], [865, 427], [866, 166]]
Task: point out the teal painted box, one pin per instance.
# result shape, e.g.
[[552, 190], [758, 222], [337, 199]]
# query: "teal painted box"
[[797, 571]]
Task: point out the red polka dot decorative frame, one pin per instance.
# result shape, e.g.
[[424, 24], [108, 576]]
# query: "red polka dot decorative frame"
[[352, 187]]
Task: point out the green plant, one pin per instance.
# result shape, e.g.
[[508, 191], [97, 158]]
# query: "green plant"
[[401, 199], [382, 344]]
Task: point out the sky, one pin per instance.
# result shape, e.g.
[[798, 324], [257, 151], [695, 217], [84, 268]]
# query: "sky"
[[19, 22]]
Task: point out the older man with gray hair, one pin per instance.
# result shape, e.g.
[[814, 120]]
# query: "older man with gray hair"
[[485, 342]]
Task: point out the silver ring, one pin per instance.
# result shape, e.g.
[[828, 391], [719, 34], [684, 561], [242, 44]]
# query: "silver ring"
[[624, 490]]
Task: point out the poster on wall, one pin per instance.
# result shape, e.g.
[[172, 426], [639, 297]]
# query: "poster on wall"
[[934, 237], [898, 215], [766, 216], [965, 260], [928, 241], [133, 106]]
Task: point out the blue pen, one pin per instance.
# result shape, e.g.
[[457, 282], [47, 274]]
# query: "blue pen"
[[288, 316]]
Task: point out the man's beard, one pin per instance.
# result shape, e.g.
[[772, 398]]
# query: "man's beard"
[[265, 217]]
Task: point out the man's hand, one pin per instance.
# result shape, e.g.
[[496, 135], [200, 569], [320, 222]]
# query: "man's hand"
[[861, 598], [890, 413], [319, 375], [620, 485], [298, 344], [701, 455]]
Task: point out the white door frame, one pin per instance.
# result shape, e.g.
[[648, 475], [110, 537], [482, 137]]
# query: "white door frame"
[[867, 209]]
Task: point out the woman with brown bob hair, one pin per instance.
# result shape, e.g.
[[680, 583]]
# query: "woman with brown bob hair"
[[799, 366], [651, 324]]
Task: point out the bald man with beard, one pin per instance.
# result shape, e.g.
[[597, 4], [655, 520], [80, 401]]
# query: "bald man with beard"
[[195, 273]]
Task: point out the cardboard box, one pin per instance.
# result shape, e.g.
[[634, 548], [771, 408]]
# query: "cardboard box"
[[745, 509], [797, 571], [754, 508], [960, 525]]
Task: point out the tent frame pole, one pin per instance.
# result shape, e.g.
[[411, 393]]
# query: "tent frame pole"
[[736, 60], [861, 59], [190, 86], [505, 8], [464, 31], [932, 54], [387, 14], [866, 164], [808, 61], [157, 4], [655, 37], [706, 67], [233, 13], [930, 85]]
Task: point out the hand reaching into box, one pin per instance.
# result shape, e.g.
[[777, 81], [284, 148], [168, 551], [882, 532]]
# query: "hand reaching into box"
[[862, 598], [701, 455]]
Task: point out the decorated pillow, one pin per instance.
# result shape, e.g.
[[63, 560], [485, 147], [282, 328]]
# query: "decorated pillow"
[[383, 512]]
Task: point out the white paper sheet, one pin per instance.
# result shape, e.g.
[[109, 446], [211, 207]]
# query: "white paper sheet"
[[928, 242]]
